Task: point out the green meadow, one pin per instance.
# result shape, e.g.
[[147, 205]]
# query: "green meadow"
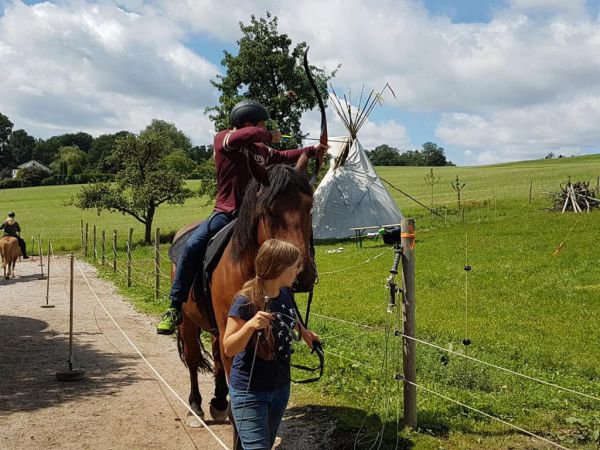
[[530, 304]]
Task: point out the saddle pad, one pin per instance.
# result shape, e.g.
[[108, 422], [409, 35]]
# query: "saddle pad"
[[178, 244], [216, 247]]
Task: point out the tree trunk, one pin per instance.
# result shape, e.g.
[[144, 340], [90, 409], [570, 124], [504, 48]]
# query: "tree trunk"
[[148, 225]]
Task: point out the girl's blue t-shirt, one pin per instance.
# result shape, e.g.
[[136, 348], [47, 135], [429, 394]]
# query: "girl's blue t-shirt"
[[267, 375]]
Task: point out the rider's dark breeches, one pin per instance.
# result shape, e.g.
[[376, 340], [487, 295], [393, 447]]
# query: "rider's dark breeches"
[[22, 245], [192, 256]]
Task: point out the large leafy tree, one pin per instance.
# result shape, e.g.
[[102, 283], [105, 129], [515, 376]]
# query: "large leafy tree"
[[143, 181], [177, 140], [201, 153], [267, 69], [101, 150], [7, 159], [69, 161], [384, 155], [46, 150], [81, 140], [433, 155], [21, 145]]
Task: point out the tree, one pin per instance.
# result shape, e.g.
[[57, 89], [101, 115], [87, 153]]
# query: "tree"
[[176, 140], [268, 70], [384, 155], [179, 162], [7, 159], [411, 158], [207, 174], [21, 145], [142, 183], [69, 161], [431, 179], [46, 150], [31, 176], [101, 150], [458, 187], [201, 153], [433, 155], [82, 140]]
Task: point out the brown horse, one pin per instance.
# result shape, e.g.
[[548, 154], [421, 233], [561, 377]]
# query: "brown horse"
[[278, 208], [9, 252]]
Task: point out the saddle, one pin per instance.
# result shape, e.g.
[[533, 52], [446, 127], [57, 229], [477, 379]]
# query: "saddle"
[[201, 286]]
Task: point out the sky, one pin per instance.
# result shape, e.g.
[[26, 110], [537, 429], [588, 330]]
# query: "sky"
[[490, 81]]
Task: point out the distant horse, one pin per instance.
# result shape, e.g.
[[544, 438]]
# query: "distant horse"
[[9, 252], [279, 208]]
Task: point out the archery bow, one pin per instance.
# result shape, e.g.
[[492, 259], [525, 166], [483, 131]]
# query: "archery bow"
[[323, 137]]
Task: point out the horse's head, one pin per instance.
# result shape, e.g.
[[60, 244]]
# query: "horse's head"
[[279, 208]]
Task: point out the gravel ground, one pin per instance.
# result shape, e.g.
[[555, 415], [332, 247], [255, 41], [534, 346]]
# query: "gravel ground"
[[120, 404]]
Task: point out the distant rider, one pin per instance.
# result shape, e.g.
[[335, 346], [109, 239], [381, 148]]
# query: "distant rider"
[[11, 228], [249, 138]]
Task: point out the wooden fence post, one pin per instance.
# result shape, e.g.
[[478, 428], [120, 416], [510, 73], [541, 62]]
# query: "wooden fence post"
[[408, 317], [48, 274], [103, 248], [157, 263], [530, 188], [114, 250], [41, 258], [95, 247], [85, 245], [48, 305], [81, 233], [129, 239]]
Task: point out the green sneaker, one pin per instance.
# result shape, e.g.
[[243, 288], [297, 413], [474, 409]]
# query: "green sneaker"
[[170, 319]]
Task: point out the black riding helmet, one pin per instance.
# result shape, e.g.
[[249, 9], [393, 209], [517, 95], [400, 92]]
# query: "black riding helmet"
[[11, 214], [248, 111]]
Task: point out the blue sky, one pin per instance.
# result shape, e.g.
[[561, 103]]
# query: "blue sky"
[[490, 81]]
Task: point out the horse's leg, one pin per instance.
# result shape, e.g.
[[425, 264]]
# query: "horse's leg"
[[189, 335], [219, 403]]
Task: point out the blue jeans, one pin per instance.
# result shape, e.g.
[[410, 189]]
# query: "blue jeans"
[[257, 423], [192, 256]]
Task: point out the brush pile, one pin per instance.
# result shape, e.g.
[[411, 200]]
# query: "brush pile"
[[575, 197]]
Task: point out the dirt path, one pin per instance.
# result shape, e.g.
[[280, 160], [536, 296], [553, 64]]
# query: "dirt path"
[[120, 404]]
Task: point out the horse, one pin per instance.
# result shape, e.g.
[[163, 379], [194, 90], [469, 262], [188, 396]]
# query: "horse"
[[10, 252], [279, 207]]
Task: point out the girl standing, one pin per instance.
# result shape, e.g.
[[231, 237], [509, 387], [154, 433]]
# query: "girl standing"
[[258, 336]]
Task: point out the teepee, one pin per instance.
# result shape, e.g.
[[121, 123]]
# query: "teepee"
[[351, 195]]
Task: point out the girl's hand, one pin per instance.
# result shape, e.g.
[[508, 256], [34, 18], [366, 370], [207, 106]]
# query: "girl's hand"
[[261, 320], [309, 337]]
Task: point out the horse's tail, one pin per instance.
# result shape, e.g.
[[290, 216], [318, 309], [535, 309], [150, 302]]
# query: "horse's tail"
[[204, 358], [3, 252]]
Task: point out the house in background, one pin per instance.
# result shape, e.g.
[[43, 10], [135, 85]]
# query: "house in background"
[[31, 164]]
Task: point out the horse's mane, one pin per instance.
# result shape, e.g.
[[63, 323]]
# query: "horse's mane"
[[257, 202]]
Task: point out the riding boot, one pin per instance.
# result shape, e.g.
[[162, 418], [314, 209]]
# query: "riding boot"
[[23, 248]]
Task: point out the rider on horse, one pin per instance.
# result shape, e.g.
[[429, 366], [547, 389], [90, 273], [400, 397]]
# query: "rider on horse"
[[11, 228], [236, 150]]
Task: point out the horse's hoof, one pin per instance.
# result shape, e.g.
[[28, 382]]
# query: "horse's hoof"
[[219, 415], [192, 421]]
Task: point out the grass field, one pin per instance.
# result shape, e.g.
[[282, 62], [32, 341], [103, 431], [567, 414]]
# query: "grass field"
[[524, 306]]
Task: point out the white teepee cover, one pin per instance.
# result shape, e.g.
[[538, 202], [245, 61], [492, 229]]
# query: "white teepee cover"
[[351, 194]]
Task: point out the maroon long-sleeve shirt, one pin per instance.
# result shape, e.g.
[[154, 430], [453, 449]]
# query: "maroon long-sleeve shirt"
[[231, 149]]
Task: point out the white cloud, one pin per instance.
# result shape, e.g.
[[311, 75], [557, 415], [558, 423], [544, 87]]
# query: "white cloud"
[[568, 128], [521, 78], [98, 68]]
